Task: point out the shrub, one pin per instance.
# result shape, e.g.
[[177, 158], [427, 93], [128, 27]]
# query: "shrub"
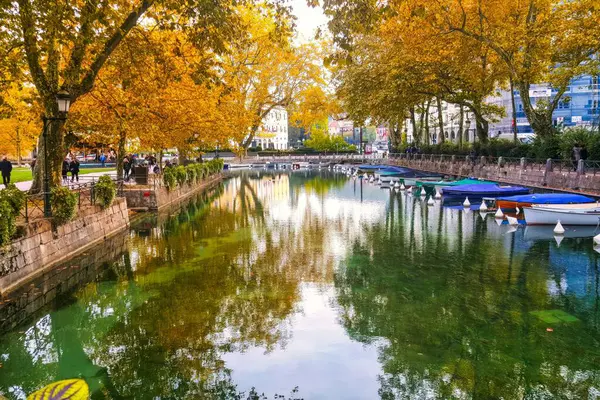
[[191, 173], [64, 203], [8, 225], [169, 178], [15, 197], [181, 175], [105, 191]]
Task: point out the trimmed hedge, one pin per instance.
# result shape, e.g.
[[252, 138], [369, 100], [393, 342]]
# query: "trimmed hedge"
[[105, 191], [11, 202], [555, 147], [191, 173], [64, 204]]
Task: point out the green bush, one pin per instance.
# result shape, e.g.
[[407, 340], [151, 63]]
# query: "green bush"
[[64, 204], [181, 175], [15, 197], [8, 224], [169, 178], [192, 173], [105, 191]]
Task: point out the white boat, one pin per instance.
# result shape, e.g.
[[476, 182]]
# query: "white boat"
[[540, 232], [566, 216]]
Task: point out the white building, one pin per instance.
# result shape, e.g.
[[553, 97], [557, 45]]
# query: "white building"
[[451, 117], [273, 133]]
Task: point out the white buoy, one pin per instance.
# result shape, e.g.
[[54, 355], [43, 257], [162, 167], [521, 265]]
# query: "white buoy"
[[402, 187], [559, 239], [482, 215], [430, 202], [512, 229], [483, 206], [518, 210], [396, 185], [597, 239], [499, 214], [498, 221], [467, 203], [558, 229], [597, 249], [423, 194], [512, 221], [438, 195]]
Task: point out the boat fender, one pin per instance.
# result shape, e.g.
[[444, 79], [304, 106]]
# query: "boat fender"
[[558, 229], [483, 206], [512, 221], [518, 210]]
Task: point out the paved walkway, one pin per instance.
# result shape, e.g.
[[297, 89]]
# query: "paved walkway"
[[26, 185]]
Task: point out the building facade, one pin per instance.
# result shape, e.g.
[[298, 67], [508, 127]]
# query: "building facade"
[[273, 133], [580, 106]]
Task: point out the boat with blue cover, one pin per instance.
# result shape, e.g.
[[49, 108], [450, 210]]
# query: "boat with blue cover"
[[478, 191], [523, 201]]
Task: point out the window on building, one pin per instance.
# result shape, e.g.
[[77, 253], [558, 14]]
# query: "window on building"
[[520, 107]]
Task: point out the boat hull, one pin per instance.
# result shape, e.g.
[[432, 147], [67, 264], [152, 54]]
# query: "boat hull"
[[547, 216]]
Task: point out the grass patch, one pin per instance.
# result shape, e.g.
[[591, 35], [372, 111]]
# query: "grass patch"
[[24, 173]]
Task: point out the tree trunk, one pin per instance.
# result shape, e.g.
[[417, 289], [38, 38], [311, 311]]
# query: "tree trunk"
[[539, 119], [461, 122], [515, 128], [481, 124], [55, 152], [421, 124], [121, 152], [413, 122], [427, 134], [440, 120]]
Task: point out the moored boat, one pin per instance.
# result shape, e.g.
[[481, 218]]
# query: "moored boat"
[[523, 201], [478, 191], [585, 214]]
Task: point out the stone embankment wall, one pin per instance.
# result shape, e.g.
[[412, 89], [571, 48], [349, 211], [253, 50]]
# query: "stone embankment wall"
[[64, 277], [544, 175], [41, 247], [157, 196]]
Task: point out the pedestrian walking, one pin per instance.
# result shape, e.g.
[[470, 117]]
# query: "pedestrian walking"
[[74, 170], [103, 160], [6, 169], [576, 156], [126, 168], [65, 170]]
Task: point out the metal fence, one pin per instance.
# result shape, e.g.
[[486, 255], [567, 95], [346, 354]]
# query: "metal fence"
[[33, 208]]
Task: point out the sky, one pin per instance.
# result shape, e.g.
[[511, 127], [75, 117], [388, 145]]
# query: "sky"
[[309, 19]]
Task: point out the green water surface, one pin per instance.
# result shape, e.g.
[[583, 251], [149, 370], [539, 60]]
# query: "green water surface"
[[309, 285]]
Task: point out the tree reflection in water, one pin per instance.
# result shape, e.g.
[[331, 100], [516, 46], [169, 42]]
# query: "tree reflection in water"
[[450, 303], [451, 312]]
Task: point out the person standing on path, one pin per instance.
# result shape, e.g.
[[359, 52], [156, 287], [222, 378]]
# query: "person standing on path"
[[103, 160], [65, 170], [6, 169], [74, 170], [126, 168]]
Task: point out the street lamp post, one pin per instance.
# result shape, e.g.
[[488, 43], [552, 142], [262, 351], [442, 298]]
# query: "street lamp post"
[[64, 103]]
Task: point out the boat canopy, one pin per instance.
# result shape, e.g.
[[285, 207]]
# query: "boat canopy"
[[484, 190], [549, 198]]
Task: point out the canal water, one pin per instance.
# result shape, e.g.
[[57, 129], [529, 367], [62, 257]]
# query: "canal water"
[[310, 285]]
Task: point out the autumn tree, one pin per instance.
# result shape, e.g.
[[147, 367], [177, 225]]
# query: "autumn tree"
[[19, 121], [266, 70], [66, 44]]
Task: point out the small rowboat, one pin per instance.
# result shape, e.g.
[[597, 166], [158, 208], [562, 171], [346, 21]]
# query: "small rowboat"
[[570, 214], [479, 191], [524, 201]]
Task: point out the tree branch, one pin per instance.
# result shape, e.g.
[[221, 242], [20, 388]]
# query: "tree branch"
[[31, 47], [87, 83]]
